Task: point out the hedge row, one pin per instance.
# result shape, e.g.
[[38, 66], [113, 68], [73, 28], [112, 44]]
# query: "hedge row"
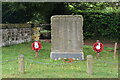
[[101, 25]]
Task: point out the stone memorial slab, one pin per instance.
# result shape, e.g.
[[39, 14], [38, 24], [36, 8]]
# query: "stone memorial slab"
[[67, 37]]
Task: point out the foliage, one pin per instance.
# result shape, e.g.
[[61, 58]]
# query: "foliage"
[[75, 70], [15, 12], [101, 19], [91, 6], [37, 12], [103, 25]]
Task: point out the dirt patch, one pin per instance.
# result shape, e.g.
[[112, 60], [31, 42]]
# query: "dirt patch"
[[107, 43]]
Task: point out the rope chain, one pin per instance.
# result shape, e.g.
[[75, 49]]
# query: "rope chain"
[[8, 60], [105, 61], [54, 64]]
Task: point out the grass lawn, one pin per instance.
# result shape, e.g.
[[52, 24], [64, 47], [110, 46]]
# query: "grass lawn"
[[74, 70], [44, 31]]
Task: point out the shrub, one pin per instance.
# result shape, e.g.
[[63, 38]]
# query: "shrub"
[[101, 25]]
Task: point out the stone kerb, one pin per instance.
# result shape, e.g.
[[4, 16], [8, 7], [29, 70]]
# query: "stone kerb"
[[67, 36]]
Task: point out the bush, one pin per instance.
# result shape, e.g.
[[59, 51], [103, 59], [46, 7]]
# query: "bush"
[[45, 35], [101, 25]]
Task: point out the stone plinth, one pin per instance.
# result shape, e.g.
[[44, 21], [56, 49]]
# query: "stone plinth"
[[67, 36]]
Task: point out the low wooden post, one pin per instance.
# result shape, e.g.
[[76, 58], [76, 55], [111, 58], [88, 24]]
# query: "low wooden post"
[[90, 64], [21, 63], [36, 54], [115, 47]]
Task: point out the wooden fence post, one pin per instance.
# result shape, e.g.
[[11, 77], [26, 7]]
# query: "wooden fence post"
[[21, 63], [90, 64], [115, 47]]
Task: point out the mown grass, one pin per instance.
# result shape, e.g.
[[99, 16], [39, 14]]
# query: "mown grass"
[[74, 70], [44, 31]]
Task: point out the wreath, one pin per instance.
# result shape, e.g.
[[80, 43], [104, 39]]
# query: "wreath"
[[68, 60]]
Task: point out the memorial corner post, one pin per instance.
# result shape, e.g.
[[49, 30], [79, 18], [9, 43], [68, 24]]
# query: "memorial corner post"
[[21, 63], [67, 37], [90, 64]]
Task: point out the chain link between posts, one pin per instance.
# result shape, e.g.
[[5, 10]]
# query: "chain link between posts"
[[54, 64], [105, 61], [8, 60]]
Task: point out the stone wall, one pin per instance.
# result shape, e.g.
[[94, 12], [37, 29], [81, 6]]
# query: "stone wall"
[[14, 34]]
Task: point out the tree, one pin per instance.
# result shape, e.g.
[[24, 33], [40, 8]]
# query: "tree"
[[20, 12]]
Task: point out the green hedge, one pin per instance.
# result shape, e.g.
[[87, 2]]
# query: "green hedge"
[[101, 25]]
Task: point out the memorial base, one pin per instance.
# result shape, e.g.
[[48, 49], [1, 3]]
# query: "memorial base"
[[60, 55]]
